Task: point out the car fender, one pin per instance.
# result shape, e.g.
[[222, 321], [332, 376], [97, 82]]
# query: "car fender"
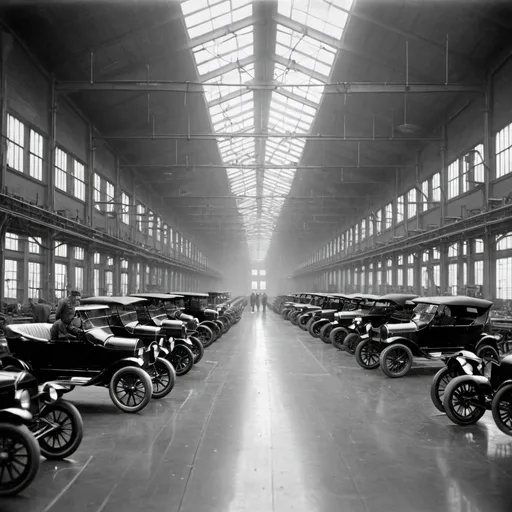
[[394, 340], [105, 376], [8, 360], [483, 383], [183, 341], [503, 384], [487, 340], [15, 415], [322, 321], [211, 325]]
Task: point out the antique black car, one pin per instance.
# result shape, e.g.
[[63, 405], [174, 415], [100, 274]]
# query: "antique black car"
[[320, 317], [95, 358], [392, 308], [358, 307], [196, 305], [124, 320], [440, 326], [155, 312], [317, 302], [295, 299]]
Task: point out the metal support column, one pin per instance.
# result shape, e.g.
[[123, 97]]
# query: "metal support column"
[[444, 174]]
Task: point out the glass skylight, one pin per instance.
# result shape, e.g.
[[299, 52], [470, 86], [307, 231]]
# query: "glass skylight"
[[222, 41]]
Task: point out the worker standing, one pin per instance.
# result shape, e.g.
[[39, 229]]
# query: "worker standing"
[[253, 301], [264, 301], [258, 301]]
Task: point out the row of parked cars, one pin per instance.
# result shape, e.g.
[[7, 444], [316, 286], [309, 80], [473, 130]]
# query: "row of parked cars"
[[390, 331], [134, 346]]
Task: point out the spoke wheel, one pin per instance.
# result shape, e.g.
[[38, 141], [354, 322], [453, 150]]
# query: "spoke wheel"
[[396, 360], [325, 333], [367, 356], [463, 402], [131, 389], [350, 342], [337, 337], [182, 359], [502, 409], [19, 458], [205, 335], [303, 322], [163, 377], [59, 430], [197, 349], [438, 387], [488, 352]]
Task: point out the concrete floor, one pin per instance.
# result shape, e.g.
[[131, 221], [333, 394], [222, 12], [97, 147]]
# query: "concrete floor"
[[273, 420]]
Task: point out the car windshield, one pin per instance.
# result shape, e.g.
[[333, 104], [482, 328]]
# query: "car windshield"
[[367, 305], [424, 313], [382, 306], [333, 303], [127, 313], [317, 301], [157, 308], [351, 305], [94, 319]]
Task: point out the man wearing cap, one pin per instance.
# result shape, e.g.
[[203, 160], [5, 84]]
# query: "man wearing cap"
[[66, 310]]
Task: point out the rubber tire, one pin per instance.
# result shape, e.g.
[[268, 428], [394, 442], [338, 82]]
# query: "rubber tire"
[[383, 366], [147, 384], [189, 358], [448, 404], [434, 387], [303, 325], [226, 322], [221, 327], [337, 341], [23, 435], [76, 436], [498, 398], [490, 349], [350, 342], [209, 336], [315, 327], [197, 349], [294, 317], [361, 349], [169, 369], [325, 333]]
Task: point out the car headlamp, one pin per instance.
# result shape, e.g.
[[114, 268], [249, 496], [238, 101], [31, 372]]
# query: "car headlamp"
[[368, 327], [140, 352], [53, 394], [161, 342], [156, 349], [336, 316], [24, 398], [358, 320]]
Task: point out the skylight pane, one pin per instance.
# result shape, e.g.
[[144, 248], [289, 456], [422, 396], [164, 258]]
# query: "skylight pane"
[[226, 63]]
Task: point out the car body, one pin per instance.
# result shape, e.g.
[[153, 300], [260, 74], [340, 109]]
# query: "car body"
[[95, 358], [219, 301], [440, 326]]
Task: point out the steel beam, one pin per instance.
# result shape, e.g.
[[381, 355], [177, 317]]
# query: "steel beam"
[[329, 88], [271, 135], [297, 167]]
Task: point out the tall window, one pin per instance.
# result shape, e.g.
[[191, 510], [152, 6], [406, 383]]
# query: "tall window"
[[109, 283], [424, 197], [61, 169], [473, 168], [436, 187], [11, 279], [504, 151], [11, 242], [452, 278], [453, 180], [96, 281], [453, 250], [124, 283], [97, 258], [166, 235], [141, 211], [36, 156], [79, 278], [125, 208], [78, 180], [15, 143], [378, 222], [400, 207], [158, 229], [479, 246], [412, 207], [363, 229], [34, 280], [479, 273], [410, 277], [34, 245], [388, 216], [61, 274], [61, 250], [504, 242], [151, 220], [109, 196], [96, 191], [79, 253], [504, 278], [370, 226]]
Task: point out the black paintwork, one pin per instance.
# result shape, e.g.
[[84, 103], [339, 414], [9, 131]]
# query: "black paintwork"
[[94, 355], [431, 332]]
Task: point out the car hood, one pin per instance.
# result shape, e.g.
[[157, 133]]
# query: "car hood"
[[143, 330], [326, 312], [397, 329], [351, 314], [17, 379], [123, 344]]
